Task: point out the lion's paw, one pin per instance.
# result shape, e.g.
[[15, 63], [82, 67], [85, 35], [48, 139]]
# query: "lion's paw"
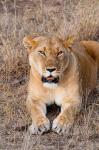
[[41, 128], [59, 127]]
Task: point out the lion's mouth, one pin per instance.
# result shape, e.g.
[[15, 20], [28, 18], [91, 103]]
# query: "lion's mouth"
[[50, 79]]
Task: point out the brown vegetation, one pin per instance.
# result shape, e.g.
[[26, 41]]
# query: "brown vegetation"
[[60, 17]]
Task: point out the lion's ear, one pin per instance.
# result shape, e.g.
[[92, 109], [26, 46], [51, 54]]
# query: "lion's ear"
[[69, 41], [29, 43]]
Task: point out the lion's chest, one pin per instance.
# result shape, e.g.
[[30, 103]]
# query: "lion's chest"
[[59, 97], [56, 98], [63, 94]]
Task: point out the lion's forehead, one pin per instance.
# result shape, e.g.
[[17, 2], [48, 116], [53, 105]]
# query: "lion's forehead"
[[50, 42], [49, 47]]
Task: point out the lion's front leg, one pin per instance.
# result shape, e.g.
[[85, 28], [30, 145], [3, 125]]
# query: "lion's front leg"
[[66, 117], [40, 122]]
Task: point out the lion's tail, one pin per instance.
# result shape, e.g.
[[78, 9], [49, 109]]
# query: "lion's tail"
[[92, 48]]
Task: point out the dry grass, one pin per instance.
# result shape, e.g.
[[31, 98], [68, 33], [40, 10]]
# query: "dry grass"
[[61, 17]]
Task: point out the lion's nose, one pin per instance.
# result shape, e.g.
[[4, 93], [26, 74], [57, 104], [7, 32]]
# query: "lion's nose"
[[51, 69]]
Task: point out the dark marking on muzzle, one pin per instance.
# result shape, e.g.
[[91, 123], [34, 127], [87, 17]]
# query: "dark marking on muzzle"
[[50, 79]]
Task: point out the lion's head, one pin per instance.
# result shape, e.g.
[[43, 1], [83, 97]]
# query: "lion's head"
[[49, 56]]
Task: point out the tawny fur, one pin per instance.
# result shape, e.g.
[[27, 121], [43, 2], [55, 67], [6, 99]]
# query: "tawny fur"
[[77, 71]]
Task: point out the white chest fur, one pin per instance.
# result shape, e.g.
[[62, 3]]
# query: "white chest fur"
[[56, 96], [59, 96]]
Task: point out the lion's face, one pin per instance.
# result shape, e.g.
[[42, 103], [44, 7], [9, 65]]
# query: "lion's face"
[[50, 58]]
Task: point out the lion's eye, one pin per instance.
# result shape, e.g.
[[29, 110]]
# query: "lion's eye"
[[42, 53], [60, 53]]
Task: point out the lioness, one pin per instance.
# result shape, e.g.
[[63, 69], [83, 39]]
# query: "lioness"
[[61, 73]]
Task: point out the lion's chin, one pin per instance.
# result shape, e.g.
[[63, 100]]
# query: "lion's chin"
[[50, 85]]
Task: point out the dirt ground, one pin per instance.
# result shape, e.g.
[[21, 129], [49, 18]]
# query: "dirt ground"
[[60, 17]]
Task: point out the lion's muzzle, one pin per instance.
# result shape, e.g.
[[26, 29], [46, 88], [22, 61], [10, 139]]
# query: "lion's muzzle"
[[50, 79]]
